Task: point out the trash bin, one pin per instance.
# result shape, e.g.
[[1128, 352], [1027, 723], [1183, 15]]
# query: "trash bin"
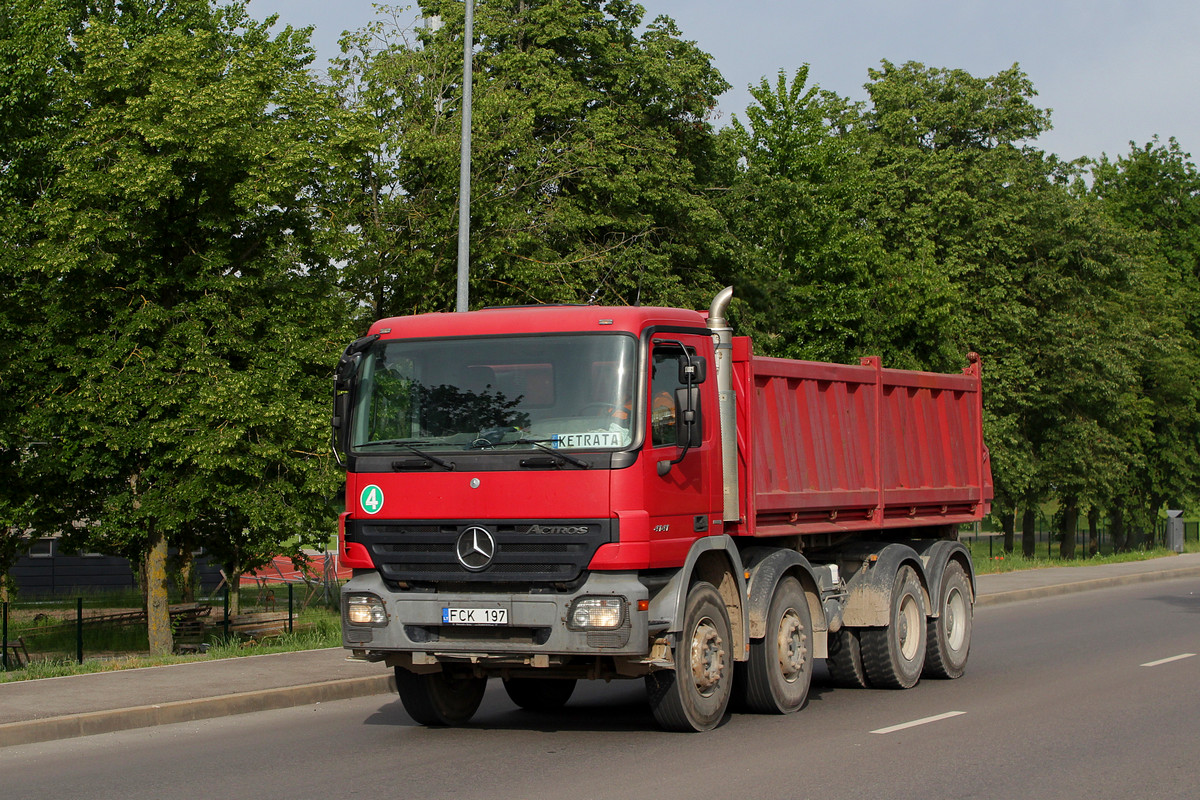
[[1173, 536]]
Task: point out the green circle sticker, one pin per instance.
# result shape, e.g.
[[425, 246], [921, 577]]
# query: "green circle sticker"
[[371, 499]]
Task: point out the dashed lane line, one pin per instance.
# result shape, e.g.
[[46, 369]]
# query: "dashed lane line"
[[1162, 661], [922, 721]]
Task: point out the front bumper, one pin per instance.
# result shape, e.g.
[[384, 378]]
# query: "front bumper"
[[537, 629]]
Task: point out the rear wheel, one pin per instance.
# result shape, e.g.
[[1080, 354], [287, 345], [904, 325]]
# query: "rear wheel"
[[949, 634], [894, 656], [845, 660], [540, 694], [440, 699], [779, 672], [696, 694]]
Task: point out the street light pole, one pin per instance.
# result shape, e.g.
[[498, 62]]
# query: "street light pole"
[[464, 171]]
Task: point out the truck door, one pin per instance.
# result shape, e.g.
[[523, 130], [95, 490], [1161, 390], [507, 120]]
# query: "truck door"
[[680, 503]]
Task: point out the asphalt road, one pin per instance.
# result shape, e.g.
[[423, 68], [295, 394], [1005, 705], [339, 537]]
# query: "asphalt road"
[[1092, 696]]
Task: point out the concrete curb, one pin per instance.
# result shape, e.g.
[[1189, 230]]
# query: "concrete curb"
[[1055, 590], [122, 719]]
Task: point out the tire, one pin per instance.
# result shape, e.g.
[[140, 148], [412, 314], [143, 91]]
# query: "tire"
[[776, 678], [440, 699], [695, 695], [540, 694], [845, 660], [893, 657], [949, 635]]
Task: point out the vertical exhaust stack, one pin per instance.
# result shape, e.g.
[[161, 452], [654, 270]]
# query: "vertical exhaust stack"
[[723, 335]]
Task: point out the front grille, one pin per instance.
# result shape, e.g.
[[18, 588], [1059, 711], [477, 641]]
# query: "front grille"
[[537, 551]]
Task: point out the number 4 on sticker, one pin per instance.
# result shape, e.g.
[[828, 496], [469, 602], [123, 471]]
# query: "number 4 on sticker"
[[371, 499]]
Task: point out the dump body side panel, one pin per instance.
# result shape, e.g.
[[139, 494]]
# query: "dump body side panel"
[[828, 447]]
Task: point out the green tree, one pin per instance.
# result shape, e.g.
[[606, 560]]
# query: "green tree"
[[33, 57], [951, 177], [1000, 256], [590, 132], [186, 305], [805, 271], [1090, 423], [1155, 190]]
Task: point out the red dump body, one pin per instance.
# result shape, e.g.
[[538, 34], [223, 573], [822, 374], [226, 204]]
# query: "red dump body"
[[824, 448]]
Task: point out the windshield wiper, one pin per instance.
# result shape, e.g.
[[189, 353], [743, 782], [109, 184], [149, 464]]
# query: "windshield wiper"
[[446, 465], [409, 444], [405, 442], [539, 443]]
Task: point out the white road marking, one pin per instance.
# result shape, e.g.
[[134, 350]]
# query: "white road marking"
[[1161, 661], [916, 722]]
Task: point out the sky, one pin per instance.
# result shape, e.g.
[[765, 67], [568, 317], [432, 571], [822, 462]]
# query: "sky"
[[1111, 71]]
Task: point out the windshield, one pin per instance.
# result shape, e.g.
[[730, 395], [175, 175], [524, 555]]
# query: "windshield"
[[519, 392]]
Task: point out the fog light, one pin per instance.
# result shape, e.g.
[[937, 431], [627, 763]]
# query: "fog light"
[[365, 609], [597, 613]]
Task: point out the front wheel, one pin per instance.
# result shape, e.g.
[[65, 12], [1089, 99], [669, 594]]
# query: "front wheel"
[[779, 672], [695, 695], [949, 634], [440, 699]]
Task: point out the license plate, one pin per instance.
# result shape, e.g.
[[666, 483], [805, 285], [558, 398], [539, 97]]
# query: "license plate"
[[474, 616]]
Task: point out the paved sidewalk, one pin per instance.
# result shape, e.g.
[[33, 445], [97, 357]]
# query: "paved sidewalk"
[[80, 705], [1031, 584], [60, 708]]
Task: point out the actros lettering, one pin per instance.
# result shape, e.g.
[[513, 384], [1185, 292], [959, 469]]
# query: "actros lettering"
[[570, 530]]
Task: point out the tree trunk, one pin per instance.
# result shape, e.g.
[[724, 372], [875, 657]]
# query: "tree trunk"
[[1158, 504], [1133, 538], [1116, 521], [234, 577], [1029, 532], [158, 613], [187, 574], [1008, 521], [1070, 525], [1093, 531]]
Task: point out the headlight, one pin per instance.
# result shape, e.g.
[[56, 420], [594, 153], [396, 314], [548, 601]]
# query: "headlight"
[[592, 613], [365, 609]]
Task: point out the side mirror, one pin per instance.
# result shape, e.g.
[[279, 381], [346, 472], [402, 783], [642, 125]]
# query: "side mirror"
[[341, 402], [346, 367], [348, 364], [693, 371], [689, 428], [343, 378], [341, 431]]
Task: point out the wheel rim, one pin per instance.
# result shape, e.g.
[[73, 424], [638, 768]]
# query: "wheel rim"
[[956, 616], [908, 627], [792, 646], [708, 657]]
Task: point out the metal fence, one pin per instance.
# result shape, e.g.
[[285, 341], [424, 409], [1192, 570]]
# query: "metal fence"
[[112, 626], [1048, 541]]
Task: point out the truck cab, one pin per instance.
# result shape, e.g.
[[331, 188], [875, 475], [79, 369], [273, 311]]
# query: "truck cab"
[[517, 477]]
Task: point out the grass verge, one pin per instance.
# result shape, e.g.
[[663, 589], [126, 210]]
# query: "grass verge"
[[992, 562], [320, 633]]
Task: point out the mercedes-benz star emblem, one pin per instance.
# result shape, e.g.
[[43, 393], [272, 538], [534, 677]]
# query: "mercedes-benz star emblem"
[[476, 548]]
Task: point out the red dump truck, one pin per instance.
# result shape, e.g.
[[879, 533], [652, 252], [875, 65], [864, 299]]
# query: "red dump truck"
[[554, 493]]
